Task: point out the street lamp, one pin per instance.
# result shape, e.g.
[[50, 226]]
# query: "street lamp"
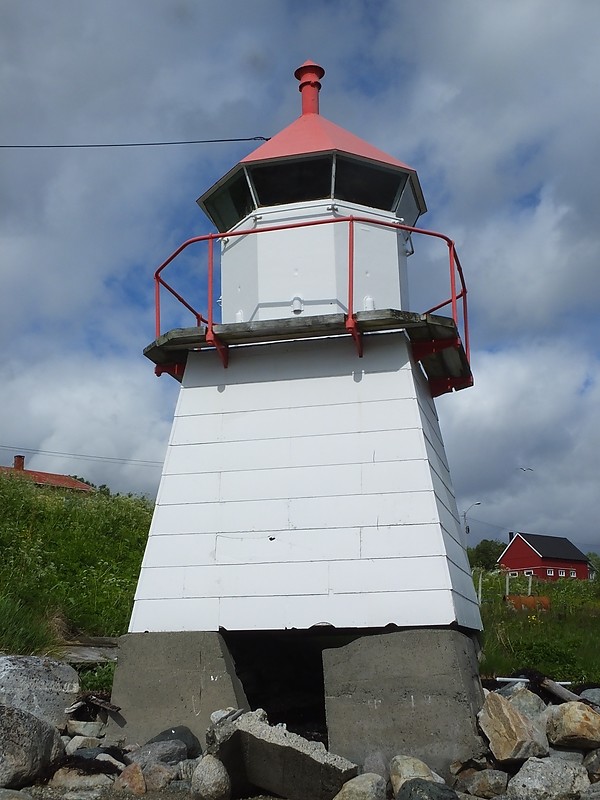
[[478, 503]]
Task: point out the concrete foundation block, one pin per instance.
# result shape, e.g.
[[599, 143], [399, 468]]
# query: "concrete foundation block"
[[168, 679], [413, 692]]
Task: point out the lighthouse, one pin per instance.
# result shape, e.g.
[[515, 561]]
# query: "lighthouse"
[[306, 499]]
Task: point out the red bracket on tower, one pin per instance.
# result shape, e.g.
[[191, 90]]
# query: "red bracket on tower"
[[429, 348], [352, 328], [173, 369], [221, 348], [440, 386]]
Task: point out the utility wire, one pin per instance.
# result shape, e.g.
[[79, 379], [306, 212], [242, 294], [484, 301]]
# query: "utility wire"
[[83, 457], [127, 144]]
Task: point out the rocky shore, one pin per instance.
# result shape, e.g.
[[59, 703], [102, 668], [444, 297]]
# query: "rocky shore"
[[53, 745]]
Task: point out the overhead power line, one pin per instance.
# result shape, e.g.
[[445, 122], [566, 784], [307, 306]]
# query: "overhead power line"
[[82, 457], [127, 144]]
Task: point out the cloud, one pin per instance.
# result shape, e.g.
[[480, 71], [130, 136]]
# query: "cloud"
[[493, 103]]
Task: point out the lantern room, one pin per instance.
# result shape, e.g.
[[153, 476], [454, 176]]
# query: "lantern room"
[[310, 174]]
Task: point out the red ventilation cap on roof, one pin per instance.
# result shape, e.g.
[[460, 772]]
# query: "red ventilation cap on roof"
[[309, 74]]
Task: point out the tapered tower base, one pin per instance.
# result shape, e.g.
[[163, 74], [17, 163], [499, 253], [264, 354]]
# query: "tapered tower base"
[[304, 486]]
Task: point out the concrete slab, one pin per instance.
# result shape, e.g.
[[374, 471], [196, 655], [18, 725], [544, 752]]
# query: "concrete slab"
[[412, 692], [167, 679], [276, 761]]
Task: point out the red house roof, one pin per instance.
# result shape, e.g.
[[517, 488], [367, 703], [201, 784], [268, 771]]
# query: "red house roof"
[[45, 478]]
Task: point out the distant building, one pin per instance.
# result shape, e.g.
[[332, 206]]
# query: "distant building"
[[545, 557], [45, 478]]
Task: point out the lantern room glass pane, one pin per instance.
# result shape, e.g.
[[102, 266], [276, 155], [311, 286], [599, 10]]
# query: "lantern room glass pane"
[[366, 184], [230, 203], [292, 181]]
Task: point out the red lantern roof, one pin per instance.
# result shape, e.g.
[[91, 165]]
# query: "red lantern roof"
[[312, 133]]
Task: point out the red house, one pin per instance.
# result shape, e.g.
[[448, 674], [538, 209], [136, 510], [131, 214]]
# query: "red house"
[[45, 478], [545, 557]]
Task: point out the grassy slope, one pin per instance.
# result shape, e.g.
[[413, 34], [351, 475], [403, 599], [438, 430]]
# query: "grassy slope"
[[562, 642], [69, 563]]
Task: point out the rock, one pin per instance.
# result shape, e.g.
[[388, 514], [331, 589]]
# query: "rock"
[[591, 694], [368, 786], [510, 688], [29, 748], [171, 751], [487, 783], [83, 794], [183, 734], [527, 703], [78, 742], [377, 763], [158, 776], [131, 780], [187, 767], [79, 727], [13, 794], [575, 756], [107, 758], [210, 780], [592, 764], [548, 779], [459, 783], [421, 789], [405, 768], [574, 724], [73, 779], [40, 686], [591, 793], [512, 736], [223, 714]]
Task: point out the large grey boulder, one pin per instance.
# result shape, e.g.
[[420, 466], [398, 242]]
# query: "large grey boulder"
[[548, 779], [574, 725], [41, 686], [29, 748], [512, 735]]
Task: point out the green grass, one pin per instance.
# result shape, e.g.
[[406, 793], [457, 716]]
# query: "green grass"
[[560, 642], [69, 564], [23, 630]]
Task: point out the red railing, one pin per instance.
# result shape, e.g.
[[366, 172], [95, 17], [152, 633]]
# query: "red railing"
[[456, 272]]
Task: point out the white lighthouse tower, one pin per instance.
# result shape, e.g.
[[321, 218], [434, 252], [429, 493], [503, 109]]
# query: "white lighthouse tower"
[[305, 485]]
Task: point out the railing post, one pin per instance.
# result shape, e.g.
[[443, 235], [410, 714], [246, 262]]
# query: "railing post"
[[453, 283], [157, 305], [211, 262], [351, 267]]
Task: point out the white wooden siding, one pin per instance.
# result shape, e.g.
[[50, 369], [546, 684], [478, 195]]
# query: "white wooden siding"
[[305, 486]]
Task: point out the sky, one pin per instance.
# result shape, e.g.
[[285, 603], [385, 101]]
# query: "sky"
[[493, 102]]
